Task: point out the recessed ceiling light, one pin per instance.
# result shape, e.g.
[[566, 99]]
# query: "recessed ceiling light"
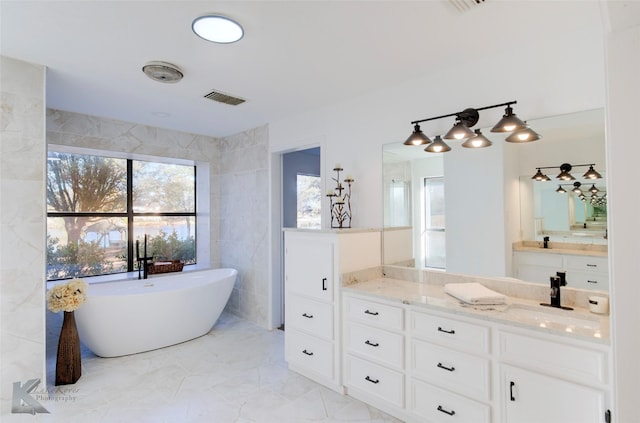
[[218, 29]]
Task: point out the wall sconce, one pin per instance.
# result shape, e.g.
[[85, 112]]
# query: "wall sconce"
[[339, 204], [565, 175], [461, 130], [594, 199]]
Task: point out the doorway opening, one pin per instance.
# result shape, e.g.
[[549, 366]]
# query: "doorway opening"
[[297, 197]]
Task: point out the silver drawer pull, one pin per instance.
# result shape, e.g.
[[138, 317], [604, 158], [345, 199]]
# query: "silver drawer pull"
[[451, 413], [373, 313], [442, 366], [368, 379], [308, 316], [450, 332], [307, 352], [592, 265], [373, 344]]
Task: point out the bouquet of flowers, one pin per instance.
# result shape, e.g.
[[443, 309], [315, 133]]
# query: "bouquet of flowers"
[[68, 296]]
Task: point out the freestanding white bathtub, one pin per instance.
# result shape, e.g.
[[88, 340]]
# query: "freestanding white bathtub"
[[132, 316]]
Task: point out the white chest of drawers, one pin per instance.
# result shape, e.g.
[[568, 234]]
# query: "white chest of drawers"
[[374, 352], [449, 368], [314, 261]]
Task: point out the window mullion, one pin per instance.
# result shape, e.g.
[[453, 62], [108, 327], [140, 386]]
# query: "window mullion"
[[130, 235]]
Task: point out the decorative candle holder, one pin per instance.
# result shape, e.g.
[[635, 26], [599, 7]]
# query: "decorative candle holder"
[[340, 205]]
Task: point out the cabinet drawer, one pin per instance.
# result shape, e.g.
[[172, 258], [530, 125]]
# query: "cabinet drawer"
[[309, 352], [587, 263], [463, 373], [541, 259], [376, 344], [376, 380], [450, 332], [309, 316], [374, 313], [588, 280], [564, 360], [440, 406]]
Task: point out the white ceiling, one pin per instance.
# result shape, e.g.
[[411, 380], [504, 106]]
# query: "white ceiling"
[[295, 56]]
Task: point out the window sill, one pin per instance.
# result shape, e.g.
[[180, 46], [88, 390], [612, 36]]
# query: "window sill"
[[118, 277]]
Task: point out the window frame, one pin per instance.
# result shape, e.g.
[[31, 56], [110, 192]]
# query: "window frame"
[[129, 214]]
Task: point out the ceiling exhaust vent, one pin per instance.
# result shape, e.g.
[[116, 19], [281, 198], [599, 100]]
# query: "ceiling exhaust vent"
[[464, 5], [224, 98]]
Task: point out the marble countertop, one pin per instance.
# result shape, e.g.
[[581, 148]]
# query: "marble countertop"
[[578, 323], [592, 250]]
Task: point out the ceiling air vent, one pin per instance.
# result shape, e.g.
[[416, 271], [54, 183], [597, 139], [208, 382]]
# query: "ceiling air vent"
[[224, 98], [464, 5]]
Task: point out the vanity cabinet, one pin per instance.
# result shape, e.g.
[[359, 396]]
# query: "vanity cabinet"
[[583, 271], [374, 345], [551, 380], [425, 364], [313, 263], [450, 369]]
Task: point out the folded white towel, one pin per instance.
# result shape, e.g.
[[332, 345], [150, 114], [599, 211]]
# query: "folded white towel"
[[474, 293]]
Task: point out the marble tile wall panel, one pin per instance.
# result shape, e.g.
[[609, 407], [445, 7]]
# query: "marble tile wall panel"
[[22, 225], [244, 214]]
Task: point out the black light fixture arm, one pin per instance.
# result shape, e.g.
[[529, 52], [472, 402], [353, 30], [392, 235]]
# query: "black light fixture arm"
[[464, 115], [563, 165]]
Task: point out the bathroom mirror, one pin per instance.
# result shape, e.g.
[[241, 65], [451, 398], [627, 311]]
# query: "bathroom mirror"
[[575, 138]]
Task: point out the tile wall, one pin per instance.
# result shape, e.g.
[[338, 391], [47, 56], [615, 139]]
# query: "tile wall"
[[22, 225]]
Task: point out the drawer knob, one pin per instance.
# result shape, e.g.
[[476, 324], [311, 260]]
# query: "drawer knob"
[[368, 379], [373, 344], [451, 413], [308, 316], [450, 332], [373, 313], [307, 352], [449, 369]]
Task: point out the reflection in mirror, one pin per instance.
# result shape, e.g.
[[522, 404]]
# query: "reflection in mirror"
[[545, 210], [562, 213], [408, 175], [572, 138]]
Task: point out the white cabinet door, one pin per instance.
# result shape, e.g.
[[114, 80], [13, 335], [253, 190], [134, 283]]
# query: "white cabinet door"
[[309, 267], [534, 398]]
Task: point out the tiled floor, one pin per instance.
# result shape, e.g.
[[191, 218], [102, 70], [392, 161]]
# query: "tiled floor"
[[236, 373]]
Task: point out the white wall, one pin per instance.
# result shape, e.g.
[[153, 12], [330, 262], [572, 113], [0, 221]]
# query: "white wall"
[[623, 90], [552, 82]]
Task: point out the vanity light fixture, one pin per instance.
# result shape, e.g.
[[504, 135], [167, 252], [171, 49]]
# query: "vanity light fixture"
[[417, 137], [565, 175], [539, 176], [217, 29], [593, 189], [576, 188], [477, 141], [437, 146], [523, 135], [561, 190], [461, 129], [509, 122], [591, 173]]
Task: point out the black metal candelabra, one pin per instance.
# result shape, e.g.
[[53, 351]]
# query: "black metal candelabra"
[[340, 205]]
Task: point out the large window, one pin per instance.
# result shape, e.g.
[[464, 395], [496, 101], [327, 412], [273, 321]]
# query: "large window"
[[434, 223], [98, 207]]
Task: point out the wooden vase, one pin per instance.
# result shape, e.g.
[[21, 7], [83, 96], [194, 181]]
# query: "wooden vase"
[[68, 364]]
